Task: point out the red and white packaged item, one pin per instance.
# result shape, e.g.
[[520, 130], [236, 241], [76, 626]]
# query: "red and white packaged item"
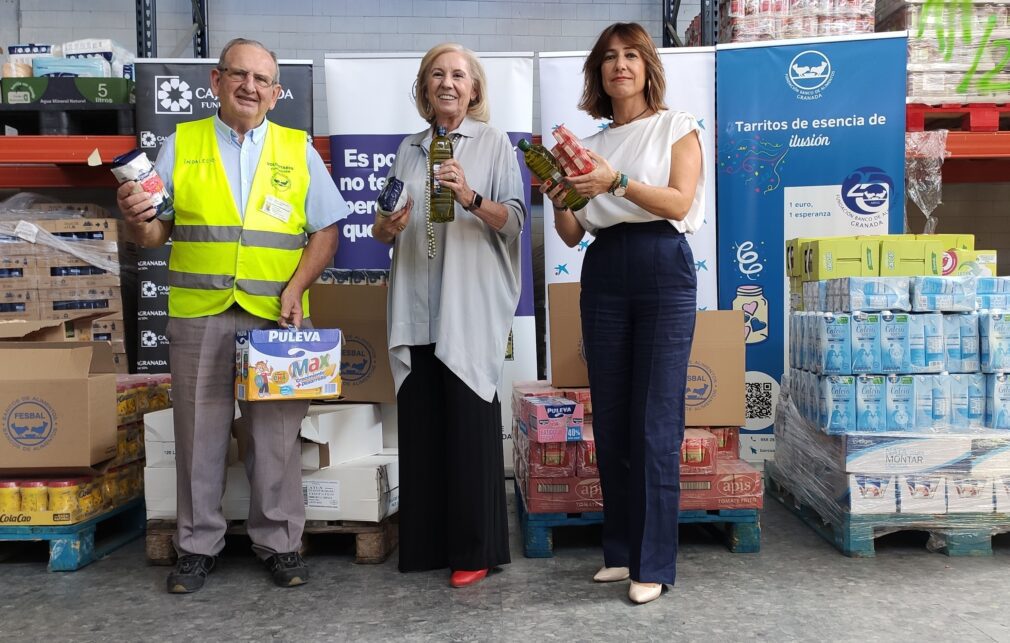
[[585, 464], [570, 153]]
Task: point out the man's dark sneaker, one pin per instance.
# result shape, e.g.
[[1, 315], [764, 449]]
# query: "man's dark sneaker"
[[288, 570], [190, 573]]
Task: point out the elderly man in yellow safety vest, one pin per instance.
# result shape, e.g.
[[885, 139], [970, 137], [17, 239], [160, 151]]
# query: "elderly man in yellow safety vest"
[[253, 225]]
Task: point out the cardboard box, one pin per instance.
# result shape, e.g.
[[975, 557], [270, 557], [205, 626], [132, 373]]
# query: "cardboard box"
[[390, 426], [582, 396], [62, 270], [14, 247], [950, 241], [71, 303], [568, 359], [72, 210], [340, 432], [910, 258], [922, 493], [75, 228], [66, 91], [970, 494], [794, 256], [19, 305], [840, 257], [561, 495], [697, 454], [280, 364], [17, 272], [734, 485], [366, 489], [359, 311], [981, 263], [715, 374], [58, 405], [869, 493], [54, 330], [539, 388]]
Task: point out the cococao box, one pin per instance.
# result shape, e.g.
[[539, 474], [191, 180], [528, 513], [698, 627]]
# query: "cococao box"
[[734, 485], [280, 364]]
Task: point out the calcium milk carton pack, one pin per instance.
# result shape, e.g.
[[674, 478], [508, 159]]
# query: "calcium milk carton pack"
[[967, 400], [894, 348], [282, 364], [873, 293], [871, 400], [944, 294], [865, 343], [961, 342], [925, 343], [838, 404], [834, 347], [994, 341], [932, 402], [900, 404], [997, 401]]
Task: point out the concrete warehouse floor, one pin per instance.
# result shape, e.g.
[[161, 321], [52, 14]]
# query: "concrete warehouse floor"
[[798, 588]]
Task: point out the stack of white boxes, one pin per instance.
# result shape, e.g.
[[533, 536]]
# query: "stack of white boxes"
[[349, 470]]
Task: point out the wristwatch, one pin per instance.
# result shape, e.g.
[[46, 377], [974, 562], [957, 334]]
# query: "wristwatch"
[[621, 187], [476, 203]]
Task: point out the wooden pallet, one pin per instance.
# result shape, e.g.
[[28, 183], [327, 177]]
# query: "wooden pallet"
[[972, 117], [373, 542], [741, 528], [74, 546], [855, 536]]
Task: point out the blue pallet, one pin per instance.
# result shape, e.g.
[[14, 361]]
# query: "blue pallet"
[[740, 527], [854, 536], [73, 546]]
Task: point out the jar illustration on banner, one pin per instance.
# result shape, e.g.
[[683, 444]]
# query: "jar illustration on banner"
[[751, 300]]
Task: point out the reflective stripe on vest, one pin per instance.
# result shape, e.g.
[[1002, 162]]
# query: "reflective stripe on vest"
[[220, 257]]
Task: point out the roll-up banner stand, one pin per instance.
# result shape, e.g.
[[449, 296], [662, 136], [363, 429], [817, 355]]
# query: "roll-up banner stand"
[[370, 109], [170, 91], [811, 144]]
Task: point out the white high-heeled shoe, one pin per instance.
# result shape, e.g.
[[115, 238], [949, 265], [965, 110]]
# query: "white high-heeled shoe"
[[644, 592], [611, 574]]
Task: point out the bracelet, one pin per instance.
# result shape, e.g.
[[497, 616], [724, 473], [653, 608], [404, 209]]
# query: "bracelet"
[[615, 182]]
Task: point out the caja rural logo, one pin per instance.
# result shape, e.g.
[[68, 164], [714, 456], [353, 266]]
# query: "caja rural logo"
[[29, 423], [809, 74]]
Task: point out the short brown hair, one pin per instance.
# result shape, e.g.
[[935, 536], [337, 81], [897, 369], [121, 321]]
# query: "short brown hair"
[[478, 109], [595, 101]]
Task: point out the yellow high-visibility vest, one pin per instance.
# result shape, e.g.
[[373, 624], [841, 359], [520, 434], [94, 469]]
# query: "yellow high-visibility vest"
[[219, 257]]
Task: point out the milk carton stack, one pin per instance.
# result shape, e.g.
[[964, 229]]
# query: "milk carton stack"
[[555, 457], [897, 401]]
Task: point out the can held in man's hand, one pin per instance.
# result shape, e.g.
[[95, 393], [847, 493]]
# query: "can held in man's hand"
[[135, 166]]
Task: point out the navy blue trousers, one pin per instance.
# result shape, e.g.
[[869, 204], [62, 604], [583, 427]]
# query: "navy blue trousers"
[[639, 298]]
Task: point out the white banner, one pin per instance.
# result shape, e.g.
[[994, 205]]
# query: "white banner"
[[690, 87], [370, 107]]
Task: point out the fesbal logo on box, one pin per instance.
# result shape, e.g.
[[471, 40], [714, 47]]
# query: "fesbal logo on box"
[[357, 360], [701, 385], [29, 423]]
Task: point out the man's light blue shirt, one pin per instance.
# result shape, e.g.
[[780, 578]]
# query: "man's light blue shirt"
[[324, 205]]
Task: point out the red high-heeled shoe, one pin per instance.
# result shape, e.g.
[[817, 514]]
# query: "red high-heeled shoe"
[[462, 578]]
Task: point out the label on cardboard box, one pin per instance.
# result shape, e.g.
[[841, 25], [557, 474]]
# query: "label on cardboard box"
[[323, 494], [279, 364]]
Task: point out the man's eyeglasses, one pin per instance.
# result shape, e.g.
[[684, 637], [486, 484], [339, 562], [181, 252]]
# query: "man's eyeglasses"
[[240, 75]]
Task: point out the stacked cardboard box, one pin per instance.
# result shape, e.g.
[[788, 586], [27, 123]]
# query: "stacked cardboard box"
[[74, 447], [347, 474], [60, 262]]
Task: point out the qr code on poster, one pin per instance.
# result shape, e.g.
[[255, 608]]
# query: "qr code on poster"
[[759, 400]]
